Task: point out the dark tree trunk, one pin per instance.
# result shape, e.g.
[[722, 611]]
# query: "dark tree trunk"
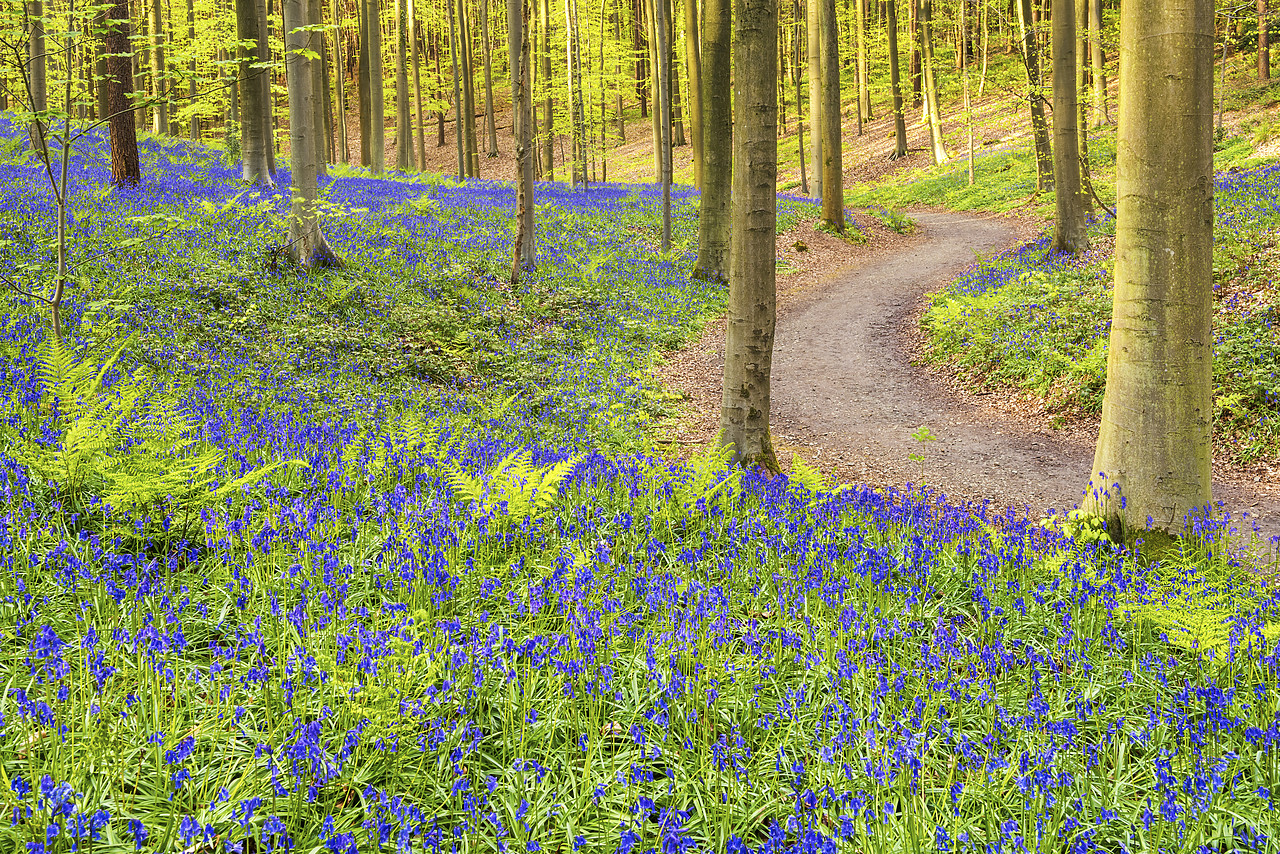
[[117, 84]]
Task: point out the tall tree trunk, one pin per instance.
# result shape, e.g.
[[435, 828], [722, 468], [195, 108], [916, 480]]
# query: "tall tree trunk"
[[931, 83], [655, 87], [523, 254], [864, 85], [965, 62], [1035, 96], [192, 88], [544, 80], [37, 63], [813, 18], [1101, 110], [714, 220], [377, 101], [314, 10], [440, 89], [895, 80], [744, 412], [463, 167], [365, 87], [160, 108], [404, 119], [1069, 232], [306, 242], [693, 51], [491, 127], [914, 66], [415, 45], [617, 37], [1152, 464], [1264, 38], [795, 80], [254, 122], [832, 145], [466, 43], [339, 84], [677, 114], [118, 85], [660, 9]]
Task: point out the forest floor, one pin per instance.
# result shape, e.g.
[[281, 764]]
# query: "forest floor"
[[849, 393]]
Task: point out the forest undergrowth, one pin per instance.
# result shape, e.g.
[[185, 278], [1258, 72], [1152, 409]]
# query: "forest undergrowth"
[[417, 581]]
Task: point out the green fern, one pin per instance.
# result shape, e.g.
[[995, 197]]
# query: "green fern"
[[807, 476], [514, 490]]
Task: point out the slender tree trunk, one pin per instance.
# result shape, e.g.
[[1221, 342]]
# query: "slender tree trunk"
[[330, 147], [469, 87], [365, 88], [693, 55], [377, 101], [914, 66], [895, 81], [677, 113], [660, 9], [832, 144], [548, 119], [440, 90], [1152, 464], [795, 79], [1035, 95], [1101, 110], [192, 88], [814, 46], [864, 86], [1264, 47], [744, 413], [523, 254], [160, 109], [1069, 232], [491, 127], [118, 85], [415, 45], [314, 11], [404, 119], [968, 99], [714, 216], [457, 96], [931, 83], [254, 122], [302, 47], [339, 84], [655, 86], [617, 37]]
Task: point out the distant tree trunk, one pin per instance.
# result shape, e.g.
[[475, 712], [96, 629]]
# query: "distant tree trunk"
[[714, 216], [466, 44], [160, 109], [37, 63], [617, 37], [100, 91], [931, 83], [463, 168], [744, 413], [548, 120], [339, 84], [314, 12], [693, 51], [1035, 95], [192, 88], [965, 61], [655, 85], [1264, 46], [677, 114], [914, 66], [254, 122], [795, 80], [306, 242], [1069, 232], [404, 119], [814, 46], [864, 86], [365, 87], [832, 147], [491, 127], [440, 89], [415, 45], [895, 80], [663, 92], [523, 254], [1152, 464], [1101, 110], [577, 111], [377, 115], [325, 71], [641, 47], [118, 85]]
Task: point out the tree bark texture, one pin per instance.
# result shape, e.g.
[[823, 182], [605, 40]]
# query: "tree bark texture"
[[1069, 233], [714, 216], [693, 50], [1264, 41], [1152, 464], [895, 80], [160, 109], [377, 119], [1097, 59], [832, 144], [930, 74], [255, 122], [306, 242], [523, 254], [1035, 97], [118, 86], [491, 127], [339, 84], [404, 118], [813, 16], [744, 413]]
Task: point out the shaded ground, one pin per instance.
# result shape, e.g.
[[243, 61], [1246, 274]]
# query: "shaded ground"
[[848, 398]]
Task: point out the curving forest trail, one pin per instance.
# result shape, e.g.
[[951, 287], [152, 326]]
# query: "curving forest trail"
[[845, 391]]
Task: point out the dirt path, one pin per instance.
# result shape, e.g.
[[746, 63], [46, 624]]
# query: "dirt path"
[[846, 396]]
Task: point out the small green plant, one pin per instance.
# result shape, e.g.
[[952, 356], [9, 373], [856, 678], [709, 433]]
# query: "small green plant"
[[515, 490], [922, 435]]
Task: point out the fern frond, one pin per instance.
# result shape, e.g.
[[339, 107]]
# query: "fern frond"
[[548, 488], [807, 475]]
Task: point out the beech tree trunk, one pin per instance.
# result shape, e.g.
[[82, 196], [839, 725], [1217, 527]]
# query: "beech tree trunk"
[[1264, 41], [118, 86], [365, 85], [931, 83], [864, 85], [1069, 233], [306, 242], [548, 104], [832, 145], [491, 127], [1152, 464], [159, 109], [37, 64], [692, 50], [744, 412], [813, 17], [895, 80], [463, 167], [404, 119], [415, 35], [795, 80], [192, 88], [1035, 95], [1101, 109], [255, 121], [714, 216], [377, 116], [523, 254], [339, 84]]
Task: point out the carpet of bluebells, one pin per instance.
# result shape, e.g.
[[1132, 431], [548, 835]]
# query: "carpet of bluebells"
[[1038, 320], [467, 618]]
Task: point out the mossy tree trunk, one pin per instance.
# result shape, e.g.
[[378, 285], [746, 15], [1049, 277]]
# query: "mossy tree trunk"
[[744, 413], [1152, 463]]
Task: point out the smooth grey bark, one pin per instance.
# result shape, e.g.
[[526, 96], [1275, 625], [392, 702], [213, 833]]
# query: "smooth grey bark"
[[524, 251], [548, 104], [864, 85], [414, 48], [1152, 465], [377, 104], [1069, 233], [339, 83], [314, 11], [1097, 59], [895, 80], [37, 65], [714, 215], [1035, 97], [364, 88], [693, 59], [795, 80], [744, 410], [832, 144], [814, 46], [160, 108], [663, 92], [468, 67], [463, 168], [491, 127], [254, 142], [307, 245], [192, 88], [929, 73], [404, 120]]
